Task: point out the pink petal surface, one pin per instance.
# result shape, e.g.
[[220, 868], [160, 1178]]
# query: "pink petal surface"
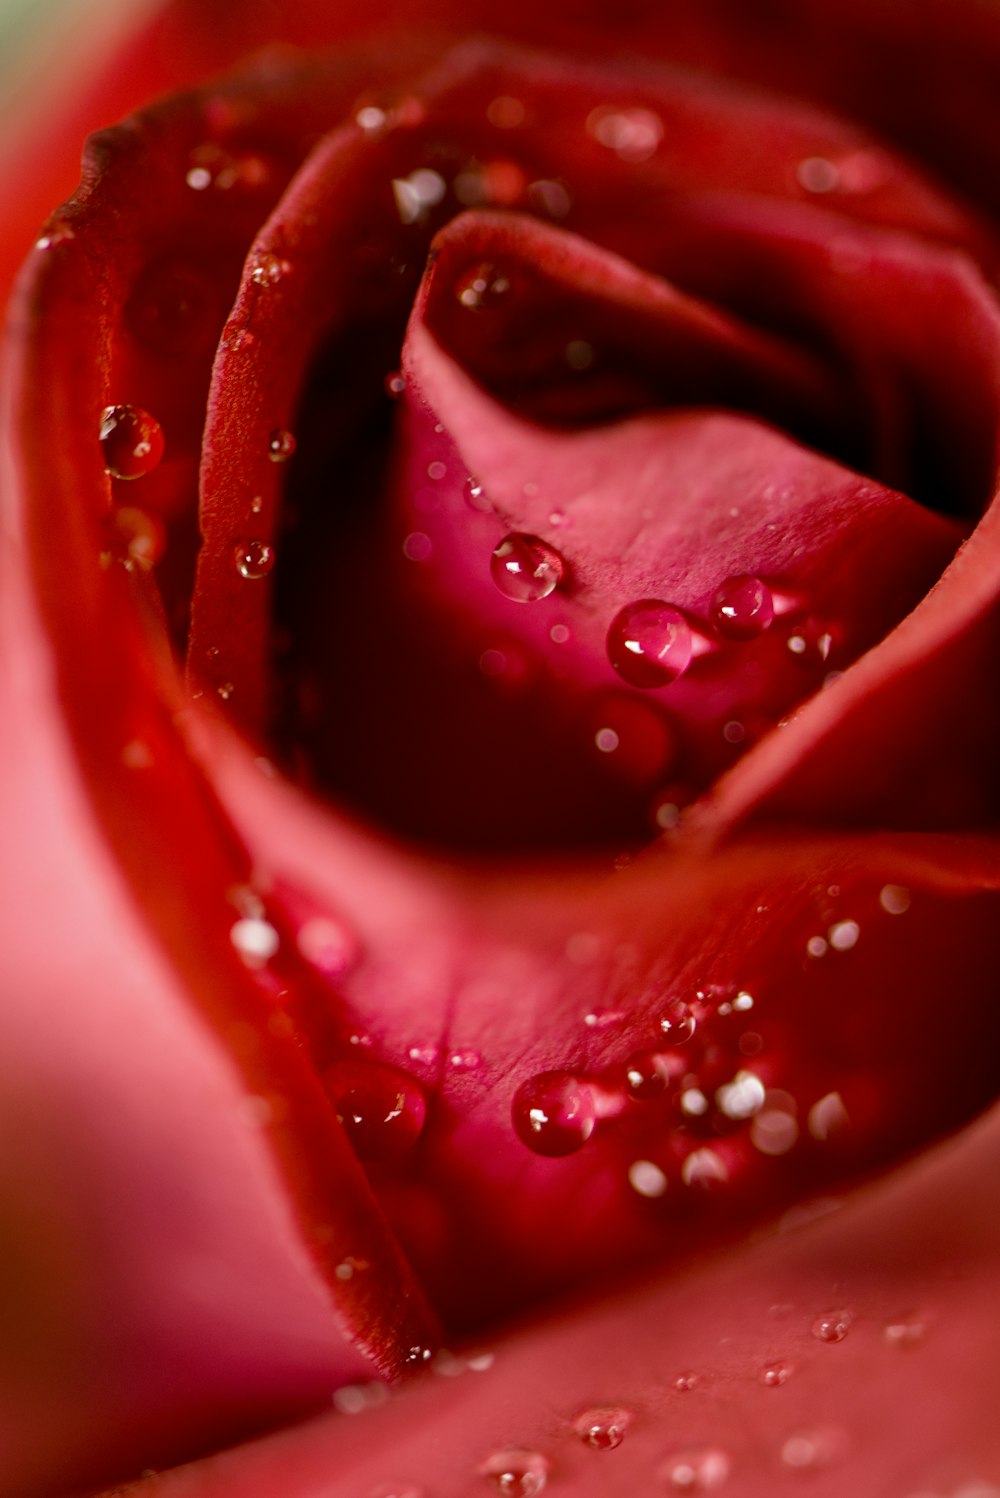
[[902, 1405]]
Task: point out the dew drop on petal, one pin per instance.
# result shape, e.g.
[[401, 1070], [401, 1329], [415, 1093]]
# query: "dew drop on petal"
[[685, 1382], [131, 441], [395, 384], [646, 1075], [649, 643], [743, 608], [832, 1326], [268, 269], [476, 497], [678, 1024], [253, 559], [280, 445], [696, 1471], [906, 1332], [254, 938], [516, 1474], [525, 569], [647, 1179], [553, 1113], [894, 899], [381, 1108], [773, 1375], [603, 1428], [482, 287]]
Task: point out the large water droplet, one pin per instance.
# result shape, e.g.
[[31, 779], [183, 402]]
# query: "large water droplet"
[[131, 441], [696, 1471], [381, 1108], [832, 1326], [649, 643], [482, 287], [253, 559], [525, 569], [603, 1428], [280, 445], [516, 1474], [553, 1113], [678, 1024], [742, 608]]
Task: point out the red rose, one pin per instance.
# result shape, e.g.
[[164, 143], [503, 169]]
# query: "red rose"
[[570, 847]]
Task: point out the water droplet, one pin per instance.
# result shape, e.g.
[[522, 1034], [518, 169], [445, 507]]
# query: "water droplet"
[[742, 1097], [678, 1024], [476, 497], [131, 441], [143, 535], [633, 735], [417, 194], [381, 1108], [696, 1471], [774, 1131], [395, 384], [832, 1326], [646, 1075], [812, 1448], [810, 644], [417, 546], [559, 634], [254, 938], [894, 899], [906, 1332], [633, 134], [843, 935], [828, 1116], [482, 287], [280, 445], [685, 1382], [704, 1168], [649, 643], [525, 569], [326, 944], [269, 269], [743, 608], [464, 1060], [553, 1113], [417, 1356], [647, 1179], [253, 559], [773, 1375], [603, 1428], [516, 1474], [817, 174]]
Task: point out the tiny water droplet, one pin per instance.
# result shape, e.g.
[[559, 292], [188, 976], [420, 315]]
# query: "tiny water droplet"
[[464, 1060], [647, 1179], [417, 1356], [894, 899], [817, 174], [906, 1332], [253, 559], [280, 445], [525, 569], [832, 1326], [395, 384], [813, 1448], [381, 1108], [773, 1375], [685, 1382], [646, 1075], [633, 134], [696, 1471], [476, 497], [678, 1024], [328, 945], [603, 1428], [482, 287], [649, 643], [515, 1473], [131, 441], [743, 608], [553, 1113], [255, 939], [705, 1169], [143, 535], [269, 269], [810, 644]]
